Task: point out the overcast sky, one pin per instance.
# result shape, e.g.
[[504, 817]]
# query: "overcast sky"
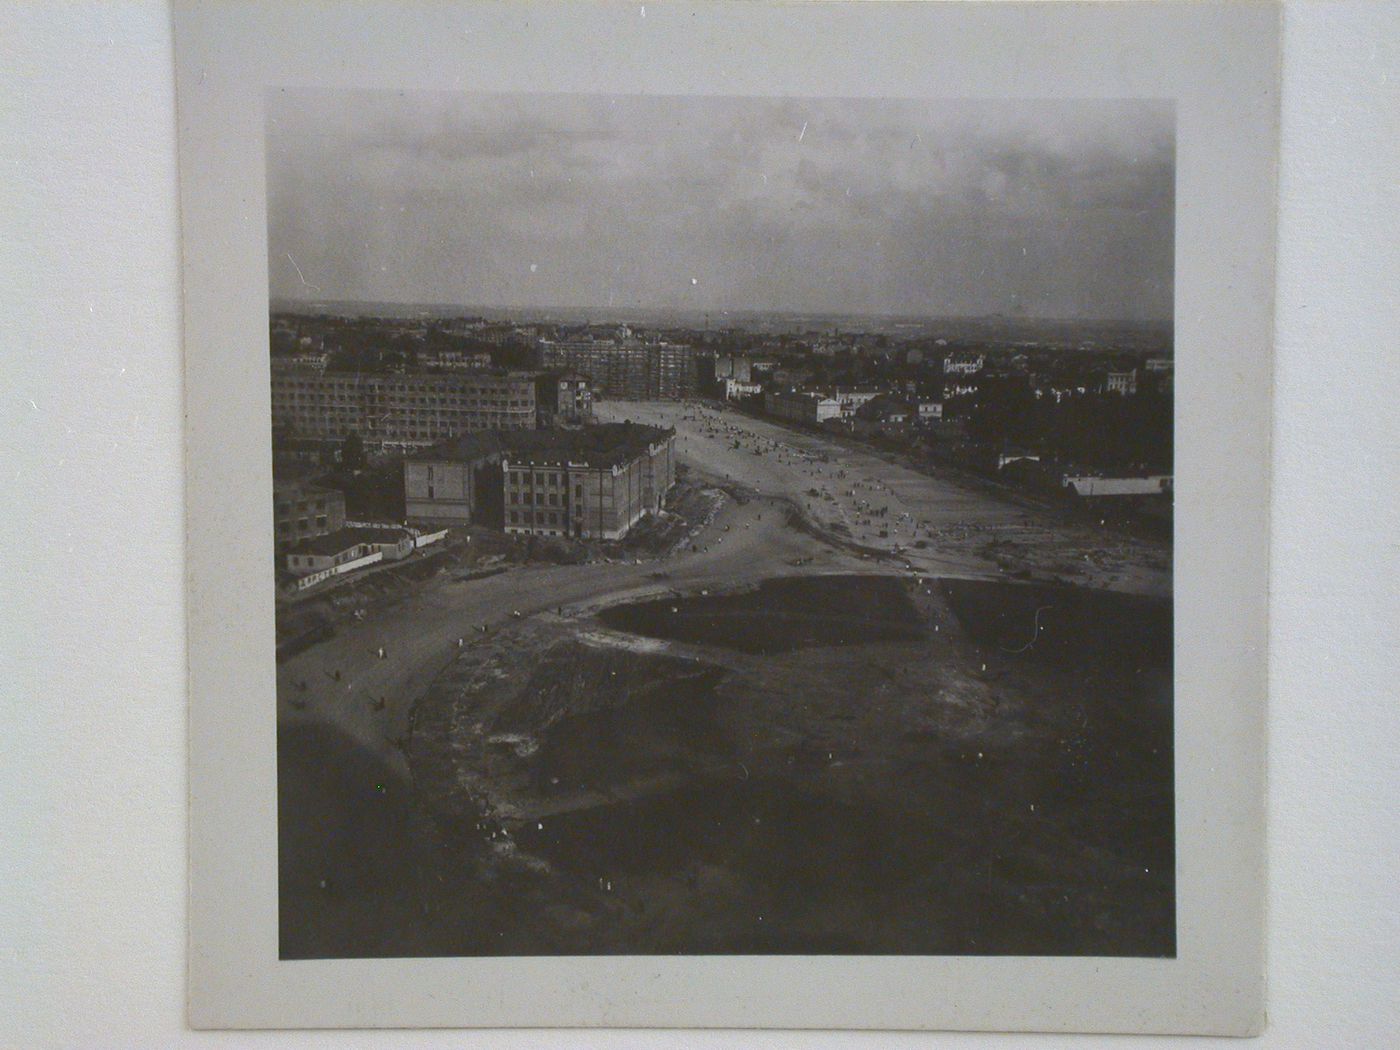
[[1052, 209]]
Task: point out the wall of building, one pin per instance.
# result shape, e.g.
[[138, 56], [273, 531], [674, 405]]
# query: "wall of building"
[[564, 400], [848, 401], [628, 373], [302, 512], [588, 502], [400, 411], [303, 564], [397, 550], [440, 490], [1121, 382], [801, 407], [314, 577], [536, 498]]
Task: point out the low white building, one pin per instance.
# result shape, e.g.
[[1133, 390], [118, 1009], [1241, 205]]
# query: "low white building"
[[347, 549], [1121, 383], [735, 389], [963, 364], [1092, 486]]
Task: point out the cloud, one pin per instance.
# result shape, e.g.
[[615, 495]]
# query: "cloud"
[[844, 205]]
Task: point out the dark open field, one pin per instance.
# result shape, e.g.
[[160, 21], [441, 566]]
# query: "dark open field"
[[839, 764], [781, 614]]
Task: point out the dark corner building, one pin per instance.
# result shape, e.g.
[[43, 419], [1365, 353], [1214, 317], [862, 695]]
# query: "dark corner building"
[[593, 483], [303, 511], [563, 399]]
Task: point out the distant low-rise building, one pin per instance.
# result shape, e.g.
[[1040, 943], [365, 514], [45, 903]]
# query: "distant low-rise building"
[[1008, 456], [801, 406], [885, 414], [733, 389], [1093, 486], [852, 398], [963, 363], [929, 411], [325, 554], [1121, 383], [348, 548]]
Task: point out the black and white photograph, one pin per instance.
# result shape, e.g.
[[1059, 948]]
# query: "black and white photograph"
[[720, 525], [700, 523]]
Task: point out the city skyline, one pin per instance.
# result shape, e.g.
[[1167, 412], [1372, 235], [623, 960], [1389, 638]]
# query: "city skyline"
[[1054, 210]]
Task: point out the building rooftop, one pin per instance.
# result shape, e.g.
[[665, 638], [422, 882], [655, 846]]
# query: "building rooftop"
[[604, 445], [344, 539], [286, 486], [885, 405]]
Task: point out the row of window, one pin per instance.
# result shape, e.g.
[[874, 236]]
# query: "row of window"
[[401, 385], [517, 478], [391, 432], [359, 420], [308, 401], [528, 498], [309, 560], [518, 517]]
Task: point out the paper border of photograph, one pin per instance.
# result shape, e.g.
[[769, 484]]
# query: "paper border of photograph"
[[1216, 63]]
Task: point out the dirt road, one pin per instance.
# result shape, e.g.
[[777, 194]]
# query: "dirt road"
[[939, 526], [344, 679]]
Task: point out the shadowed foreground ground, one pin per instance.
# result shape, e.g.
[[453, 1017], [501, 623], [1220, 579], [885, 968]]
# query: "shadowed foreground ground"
[[839, 764]]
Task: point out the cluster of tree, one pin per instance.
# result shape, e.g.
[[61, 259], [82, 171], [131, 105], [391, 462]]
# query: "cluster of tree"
[[1105, 431], [372, 492], [845, 368]]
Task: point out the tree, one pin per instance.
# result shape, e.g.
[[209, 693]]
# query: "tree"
[[352, 452]]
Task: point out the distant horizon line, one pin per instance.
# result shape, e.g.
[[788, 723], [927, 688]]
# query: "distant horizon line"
[[283, 304]]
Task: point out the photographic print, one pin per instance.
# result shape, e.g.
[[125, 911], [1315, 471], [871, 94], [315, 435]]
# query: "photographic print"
[[719, 525], [727, 516]]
